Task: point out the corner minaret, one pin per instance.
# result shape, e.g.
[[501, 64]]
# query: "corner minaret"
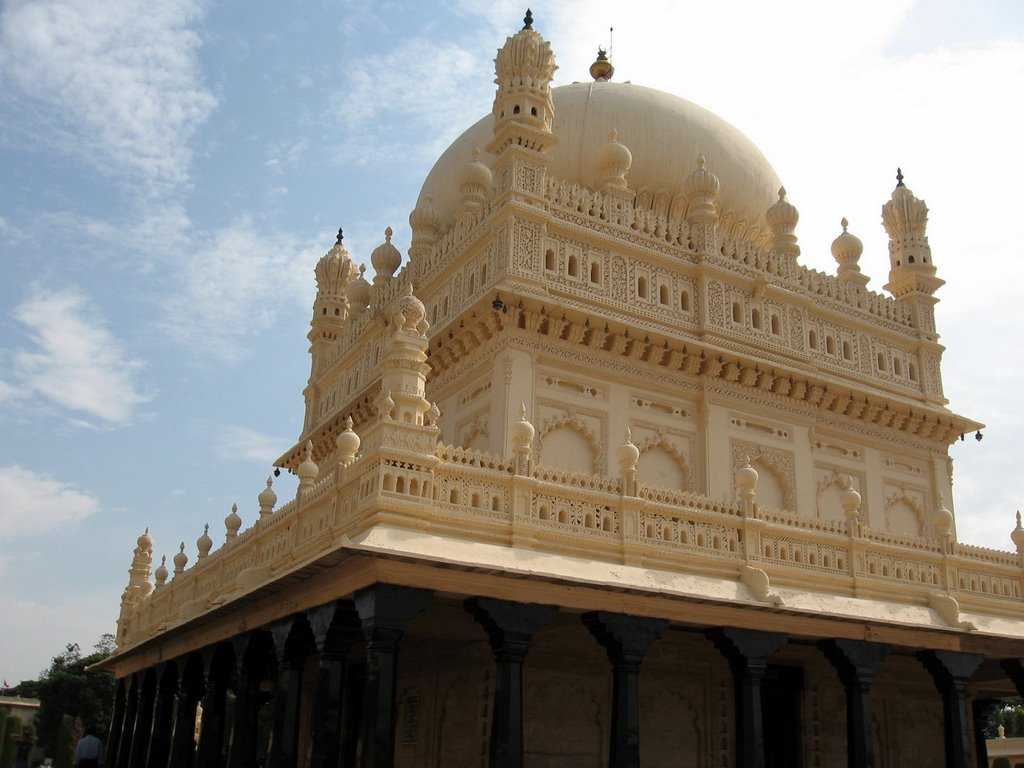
[[523, 111], [912, 277], [334, 272]]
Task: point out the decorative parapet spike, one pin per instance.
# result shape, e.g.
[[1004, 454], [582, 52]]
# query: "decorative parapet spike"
[[204, 543], [180, 560], [308, 471], [232, 524], [523, 433], [746, 484], [267, 499], [347, 443], [629, 456]]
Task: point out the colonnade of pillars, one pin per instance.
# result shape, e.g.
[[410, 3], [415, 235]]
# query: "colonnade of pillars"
[[354, 704]]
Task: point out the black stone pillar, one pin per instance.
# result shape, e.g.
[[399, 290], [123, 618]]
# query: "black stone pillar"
[[981, 710], [159, 751], [951, 672], [246, 681], [335, 629], [131, 710], [384, 611], [510, 627], [143, 720], [116, 722], [626, 638], [352, 712], [857, 662], [217, 668], [747, 651], [284, 747], [190, 691]]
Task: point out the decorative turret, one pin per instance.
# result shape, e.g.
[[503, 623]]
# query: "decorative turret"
[[308, 471], [404, 368], [139, 586], [386, 259], [204, 543], [475, 183], [629, 456], [911, 272], [782, 219], [267, 499], [701, 188], [523, 107], [1017, 536], [358, 292], [347, 443], [232, 524], [180, 560], [846, 250], [160, 574], [746, 485], [616, 160], [425, 224], [523, 433], [334, 272]]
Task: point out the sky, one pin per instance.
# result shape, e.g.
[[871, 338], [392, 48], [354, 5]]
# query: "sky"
[[171, 170]]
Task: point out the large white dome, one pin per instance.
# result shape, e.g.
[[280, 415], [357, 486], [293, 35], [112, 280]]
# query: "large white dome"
[[665, 134]]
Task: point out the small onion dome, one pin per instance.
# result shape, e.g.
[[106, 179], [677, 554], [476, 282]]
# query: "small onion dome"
[[783, 215], [944, 522], [308, 469], [385, 257], [616, 160], [746, 477], [358, 291], [849, 498], [602, 70], [1017, 535], [424, 216], [180, 560], [267, 498], [702, 182], [161, 572], [145, 541], [847, 249], [204, 543], [522, 431], [411, 309], [232, 523], [347, 441], [475, 173], [628, 453]]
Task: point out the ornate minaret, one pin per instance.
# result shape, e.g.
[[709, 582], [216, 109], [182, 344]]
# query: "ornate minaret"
[[139, 586], [912, 277], [334, 272], [523, 111], [911, 273]]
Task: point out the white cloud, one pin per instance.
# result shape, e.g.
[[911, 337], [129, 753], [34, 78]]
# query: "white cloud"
[[235, 284], [33, 503], [235, 443], [75, 361], [119, 82]]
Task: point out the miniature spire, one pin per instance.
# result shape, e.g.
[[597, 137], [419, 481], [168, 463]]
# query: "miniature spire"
[[232, 523], [701, 188], [849, 499], [347, 443], [782, 219], [180, 560], [358, 291], [846, 250], [161, 572], [615, 162], [628, 455], [905, 218], [528, 19], [341, 236], [523, 433], [385, 258], [267, 499], [899, 177], [204, 543], [308, 470], [475, 182], [1017, 535]]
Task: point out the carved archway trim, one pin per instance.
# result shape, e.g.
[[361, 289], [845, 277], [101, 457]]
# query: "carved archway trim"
[[571, 422], [901, 497], [775, 460], [660, 440]]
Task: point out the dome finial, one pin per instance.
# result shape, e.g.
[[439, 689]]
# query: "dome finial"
[[602, 70], [899, 177], [341, 236], [528, 19]]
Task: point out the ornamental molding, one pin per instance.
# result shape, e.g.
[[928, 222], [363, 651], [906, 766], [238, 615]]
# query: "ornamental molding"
[[777, 461]]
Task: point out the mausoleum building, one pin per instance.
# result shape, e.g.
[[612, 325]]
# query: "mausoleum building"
[[602, 475]]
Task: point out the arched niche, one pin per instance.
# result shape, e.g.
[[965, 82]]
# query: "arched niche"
[[662, 465], [566, 443], [771, 489], [903, 515]]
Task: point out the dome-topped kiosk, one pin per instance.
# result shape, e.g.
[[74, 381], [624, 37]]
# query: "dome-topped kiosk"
[[665, 133]]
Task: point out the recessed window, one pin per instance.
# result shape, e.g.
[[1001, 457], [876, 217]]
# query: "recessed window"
[[776, 325], [684, 301], [847, 351], [595, 273], [574, 267], [812, 339], [755, 318], [897, 366], [913, 372], [830, 345], [515, 110], [549, 260], [641, 287], [533, 111], [881, 361], [663, 294], [737, 313]]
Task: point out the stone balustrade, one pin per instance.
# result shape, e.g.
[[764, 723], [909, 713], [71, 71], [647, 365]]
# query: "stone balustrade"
[[473, 494]]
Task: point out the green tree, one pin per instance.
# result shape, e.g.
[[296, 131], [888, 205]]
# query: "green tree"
[[69, 689], [9, 748]]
